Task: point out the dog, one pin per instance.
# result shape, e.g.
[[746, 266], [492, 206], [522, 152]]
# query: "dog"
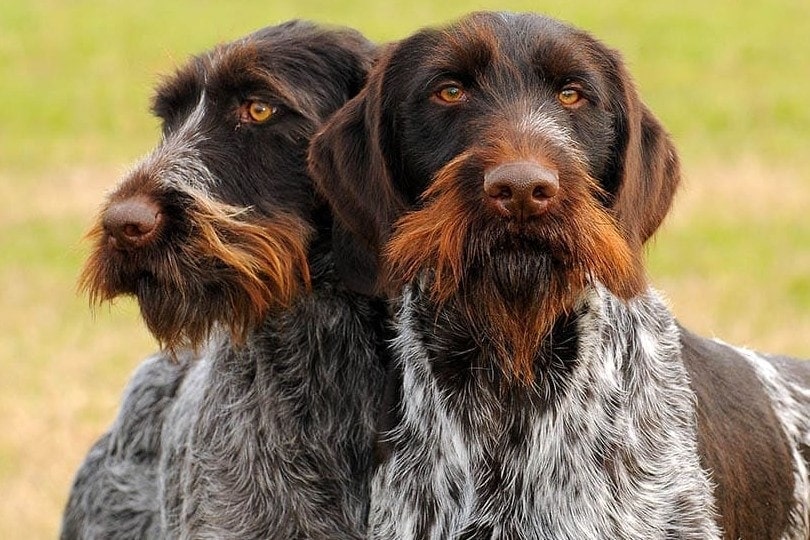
[[541, 388], [257, 419]]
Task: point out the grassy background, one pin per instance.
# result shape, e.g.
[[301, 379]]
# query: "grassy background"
[[730, 79]]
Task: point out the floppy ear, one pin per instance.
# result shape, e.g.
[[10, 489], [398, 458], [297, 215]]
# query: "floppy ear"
[[356, 264], [349, 168], [648, 169]]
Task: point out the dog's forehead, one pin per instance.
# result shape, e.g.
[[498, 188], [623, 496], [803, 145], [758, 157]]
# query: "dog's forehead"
[[245, 68], [252, 65], [521, 40]]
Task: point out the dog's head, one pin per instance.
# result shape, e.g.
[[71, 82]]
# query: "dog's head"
[[510, 156], [212, 227]]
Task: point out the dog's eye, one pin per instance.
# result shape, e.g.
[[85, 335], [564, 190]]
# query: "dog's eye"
[[258, 112], [569, 97], [451, 94]]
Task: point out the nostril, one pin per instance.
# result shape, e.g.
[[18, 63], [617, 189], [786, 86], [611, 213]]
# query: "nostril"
[[545, 188], [137, 229], [502, 192], [133, 222]]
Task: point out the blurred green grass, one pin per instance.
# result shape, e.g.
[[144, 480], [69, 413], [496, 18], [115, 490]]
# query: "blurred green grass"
[[730, 80]]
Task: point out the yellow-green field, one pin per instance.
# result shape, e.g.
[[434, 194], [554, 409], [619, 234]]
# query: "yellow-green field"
[[731, 80]]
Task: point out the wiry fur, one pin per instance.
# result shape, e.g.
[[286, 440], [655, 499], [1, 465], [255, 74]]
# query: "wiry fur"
[[230, 245], [254, 265], [269, 433], [438, 235], [273, 440], [592, 454], [115, 492], [542, 390], [791, 401]]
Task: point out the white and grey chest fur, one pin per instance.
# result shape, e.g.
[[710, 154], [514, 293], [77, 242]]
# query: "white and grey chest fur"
[[612, 455]]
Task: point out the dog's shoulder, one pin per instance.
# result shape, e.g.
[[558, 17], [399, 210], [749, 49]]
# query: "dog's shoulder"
[[742, 439]]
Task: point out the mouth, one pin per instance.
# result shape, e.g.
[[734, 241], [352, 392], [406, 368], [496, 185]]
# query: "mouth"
[[523, 234], [542, 237], [110, 272]]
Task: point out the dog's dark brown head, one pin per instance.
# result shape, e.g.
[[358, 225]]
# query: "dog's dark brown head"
[[511, 157], [212, 227]]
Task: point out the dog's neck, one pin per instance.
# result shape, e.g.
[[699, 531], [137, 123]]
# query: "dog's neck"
[[288, 414], [600, 332], [609, 414]]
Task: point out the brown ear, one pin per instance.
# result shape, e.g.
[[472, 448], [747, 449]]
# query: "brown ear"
[[350, 170], [356, 264], [649, 171]]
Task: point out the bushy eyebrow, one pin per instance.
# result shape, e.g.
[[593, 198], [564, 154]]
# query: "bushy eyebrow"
[[177, 92]]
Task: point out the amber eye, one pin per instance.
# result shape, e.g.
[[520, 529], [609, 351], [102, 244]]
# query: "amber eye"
[[569, 97], [452, 94], [259, 112]]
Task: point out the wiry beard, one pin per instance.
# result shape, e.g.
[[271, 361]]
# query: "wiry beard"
[[229, 267], [512, 282], [514, 300], [519, 274]]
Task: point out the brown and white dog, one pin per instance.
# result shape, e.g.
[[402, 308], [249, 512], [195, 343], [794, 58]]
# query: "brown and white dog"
[[509, 172]]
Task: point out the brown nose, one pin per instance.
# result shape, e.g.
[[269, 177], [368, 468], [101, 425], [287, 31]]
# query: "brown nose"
[[132, 223], [521, 189]]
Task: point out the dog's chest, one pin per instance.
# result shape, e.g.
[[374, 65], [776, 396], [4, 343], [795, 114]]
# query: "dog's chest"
[[539, 473], [280, 442], [604, 460]]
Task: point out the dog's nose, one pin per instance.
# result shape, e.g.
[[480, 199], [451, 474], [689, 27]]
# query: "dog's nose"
[[521, 189], [132, 223]]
